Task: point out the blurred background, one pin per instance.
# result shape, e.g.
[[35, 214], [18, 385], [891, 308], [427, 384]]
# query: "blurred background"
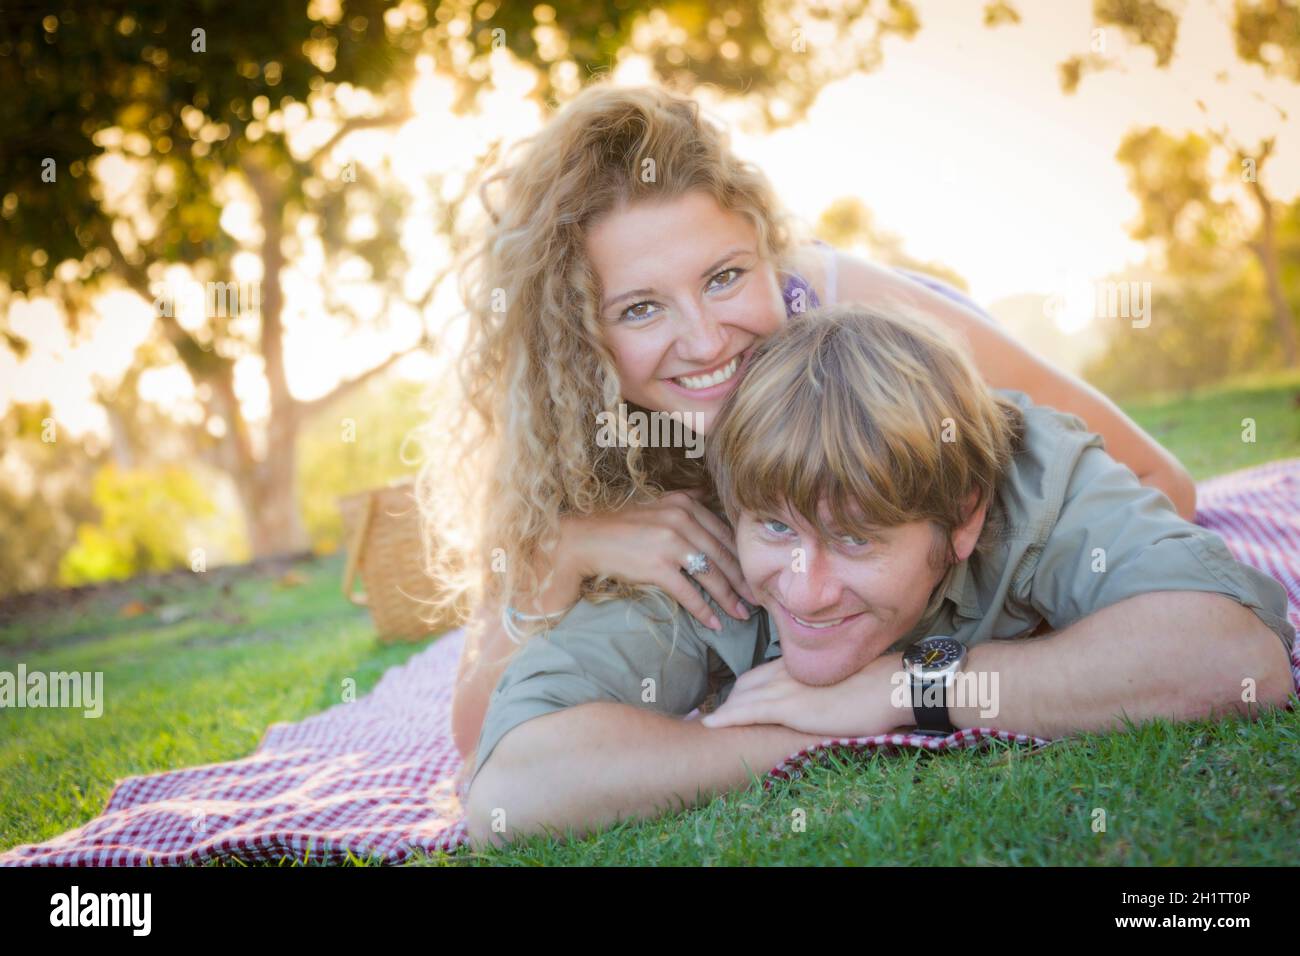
[[226, 230]]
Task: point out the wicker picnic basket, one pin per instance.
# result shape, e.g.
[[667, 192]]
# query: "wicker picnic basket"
[[382, 531]]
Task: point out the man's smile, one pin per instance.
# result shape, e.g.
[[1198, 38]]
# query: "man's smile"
[[819, 629]]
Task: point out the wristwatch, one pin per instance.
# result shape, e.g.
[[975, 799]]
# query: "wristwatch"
[[931, 663]]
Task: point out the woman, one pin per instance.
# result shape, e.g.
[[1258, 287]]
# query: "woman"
[[633, 260]]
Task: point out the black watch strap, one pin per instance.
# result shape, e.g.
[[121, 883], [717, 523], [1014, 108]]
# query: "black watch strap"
[[930, 718]]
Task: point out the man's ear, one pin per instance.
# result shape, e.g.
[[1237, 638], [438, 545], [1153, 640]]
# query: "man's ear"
[[965, 535]]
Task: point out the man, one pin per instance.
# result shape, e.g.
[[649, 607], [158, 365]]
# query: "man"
[[883, 497]]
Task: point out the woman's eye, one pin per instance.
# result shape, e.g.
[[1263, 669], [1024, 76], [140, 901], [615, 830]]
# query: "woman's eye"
[[855, 542], [739, 272], [629, 314], [781, 526]]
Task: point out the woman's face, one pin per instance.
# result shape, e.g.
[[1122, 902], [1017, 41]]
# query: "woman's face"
[[686, 299]]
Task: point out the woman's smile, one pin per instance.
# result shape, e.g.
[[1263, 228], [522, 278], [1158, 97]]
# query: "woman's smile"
[[713, 383]]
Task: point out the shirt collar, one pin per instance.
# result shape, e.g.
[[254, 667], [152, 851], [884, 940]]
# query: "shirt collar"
[[957, 588], [961, 590]]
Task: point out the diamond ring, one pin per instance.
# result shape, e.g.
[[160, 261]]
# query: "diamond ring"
[[698, 563]]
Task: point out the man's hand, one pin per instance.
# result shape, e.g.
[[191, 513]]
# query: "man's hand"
[[857, 706]]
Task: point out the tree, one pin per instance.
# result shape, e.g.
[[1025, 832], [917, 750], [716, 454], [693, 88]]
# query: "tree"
[[1172, 178], [142, 525], [196, 100], [44, 496], [1223, 329], [185, 104]]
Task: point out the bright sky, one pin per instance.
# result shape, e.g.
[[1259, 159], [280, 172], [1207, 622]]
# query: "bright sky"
[[962, 144]]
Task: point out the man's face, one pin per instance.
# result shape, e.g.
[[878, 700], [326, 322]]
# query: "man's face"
[[837, 605]]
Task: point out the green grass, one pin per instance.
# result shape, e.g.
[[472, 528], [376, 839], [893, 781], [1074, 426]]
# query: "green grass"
[[204, 688], [1206, 431]]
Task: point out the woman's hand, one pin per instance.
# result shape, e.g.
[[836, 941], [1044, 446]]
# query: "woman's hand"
[[649, 544]]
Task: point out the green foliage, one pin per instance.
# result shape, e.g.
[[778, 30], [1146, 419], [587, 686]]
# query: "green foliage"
[[1147, 22], [1172, 179], [143, 525], [1267, 32], [1000, 13], [351, 446], [183, 97], [191, 89], [1201, 331], [1264, 32], [39, 514], [1211, 317], [31, 541]]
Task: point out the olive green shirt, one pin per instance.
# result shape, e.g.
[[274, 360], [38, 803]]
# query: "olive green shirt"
[[1077, 533]]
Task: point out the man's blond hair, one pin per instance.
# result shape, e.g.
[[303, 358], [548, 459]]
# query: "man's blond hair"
[[881, 417]]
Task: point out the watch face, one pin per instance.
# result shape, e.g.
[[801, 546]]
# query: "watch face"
[[934, 654]]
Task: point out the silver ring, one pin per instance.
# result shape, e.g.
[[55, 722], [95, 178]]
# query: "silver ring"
[[697, 563]]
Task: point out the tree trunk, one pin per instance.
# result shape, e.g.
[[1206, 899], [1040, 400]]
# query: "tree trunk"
[[1266, 250], [276, 527], [267, 495]]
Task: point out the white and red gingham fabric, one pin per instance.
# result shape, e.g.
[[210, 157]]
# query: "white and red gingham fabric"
[[375, 777]]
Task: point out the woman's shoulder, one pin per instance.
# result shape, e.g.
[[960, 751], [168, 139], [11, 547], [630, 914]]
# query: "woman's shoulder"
[[814, 261], [836, 275]]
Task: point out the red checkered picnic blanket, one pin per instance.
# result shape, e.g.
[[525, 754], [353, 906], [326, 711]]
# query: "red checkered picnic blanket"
[[374, 777]]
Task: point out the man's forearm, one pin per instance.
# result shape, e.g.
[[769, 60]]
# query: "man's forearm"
[[1176, 654], [595, 764]]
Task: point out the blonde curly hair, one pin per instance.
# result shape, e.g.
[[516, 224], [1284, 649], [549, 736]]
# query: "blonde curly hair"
[[521, 452]]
